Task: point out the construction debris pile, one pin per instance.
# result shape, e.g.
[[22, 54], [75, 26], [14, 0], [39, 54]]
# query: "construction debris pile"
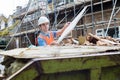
[[91, 40], [100, 41], [68, 41]]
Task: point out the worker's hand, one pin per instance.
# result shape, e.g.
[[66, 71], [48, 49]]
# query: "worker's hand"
[[67, 24], [59, 32]]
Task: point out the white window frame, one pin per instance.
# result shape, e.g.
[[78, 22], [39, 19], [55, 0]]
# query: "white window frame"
[[100, 33]]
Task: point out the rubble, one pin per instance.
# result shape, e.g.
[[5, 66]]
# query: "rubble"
[[100, 41], [69, 41]]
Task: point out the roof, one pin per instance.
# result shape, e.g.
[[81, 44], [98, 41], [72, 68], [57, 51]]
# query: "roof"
[[11, 16], [2, 17]]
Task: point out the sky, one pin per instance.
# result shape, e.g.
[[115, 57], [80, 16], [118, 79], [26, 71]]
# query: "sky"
[[8, 7]]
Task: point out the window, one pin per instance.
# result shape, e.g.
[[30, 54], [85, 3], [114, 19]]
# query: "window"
[[100, 32], [112, 31]]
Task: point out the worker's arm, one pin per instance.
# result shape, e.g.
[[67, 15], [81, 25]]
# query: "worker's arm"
[[59, 32], [41, 42]]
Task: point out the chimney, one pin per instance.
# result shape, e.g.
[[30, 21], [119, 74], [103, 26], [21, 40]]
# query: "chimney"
[[18, 8]]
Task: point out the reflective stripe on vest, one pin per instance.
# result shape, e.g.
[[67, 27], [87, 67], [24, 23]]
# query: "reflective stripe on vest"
[[47, 39]]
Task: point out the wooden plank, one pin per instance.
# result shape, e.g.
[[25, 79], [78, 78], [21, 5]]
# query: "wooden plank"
[[58, 51], [104, 40]]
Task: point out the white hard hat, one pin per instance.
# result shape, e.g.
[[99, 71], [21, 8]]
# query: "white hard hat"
[[42, 20]]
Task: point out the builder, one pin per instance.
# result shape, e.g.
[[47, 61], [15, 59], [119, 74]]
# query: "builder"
[[45, 36]]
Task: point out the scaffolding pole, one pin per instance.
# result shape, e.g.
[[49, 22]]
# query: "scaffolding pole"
[[55, 14], [74, 9], [47, 8], [65, 13], [102, 10], [29, 5], [116, 12], [113, 10], [92, 17]]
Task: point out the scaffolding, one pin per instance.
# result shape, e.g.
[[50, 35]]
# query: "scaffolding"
[[62, 11]]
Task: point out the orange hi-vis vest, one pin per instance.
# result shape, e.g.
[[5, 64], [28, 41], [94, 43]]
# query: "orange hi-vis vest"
[[47, 39]]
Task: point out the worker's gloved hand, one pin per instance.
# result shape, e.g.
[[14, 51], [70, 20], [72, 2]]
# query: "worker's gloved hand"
[[67, 24], [54, 43]]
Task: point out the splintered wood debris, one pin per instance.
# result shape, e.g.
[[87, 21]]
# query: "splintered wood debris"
[[100, 41]]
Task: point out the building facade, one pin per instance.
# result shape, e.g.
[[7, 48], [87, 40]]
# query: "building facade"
[[101, 18]]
